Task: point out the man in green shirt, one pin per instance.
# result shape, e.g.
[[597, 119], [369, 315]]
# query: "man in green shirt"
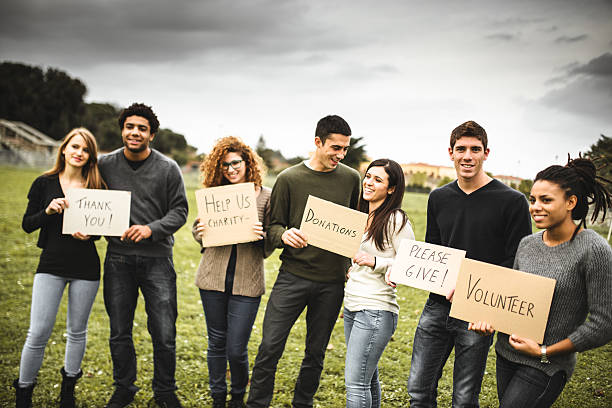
[[309, 277]]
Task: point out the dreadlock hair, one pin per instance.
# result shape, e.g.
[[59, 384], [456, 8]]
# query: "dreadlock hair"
[[579, 177], [379, 229]]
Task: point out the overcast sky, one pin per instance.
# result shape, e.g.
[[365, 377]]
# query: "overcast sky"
[[537, 75]]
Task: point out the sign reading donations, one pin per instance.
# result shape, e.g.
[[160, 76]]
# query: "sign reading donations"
[[426, 266], [97, 212], [333, 227], [511, 301], [229, 213]]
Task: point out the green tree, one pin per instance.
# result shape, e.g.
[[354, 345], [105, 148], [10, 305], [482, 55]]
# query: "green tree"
[[356, 153], [51, 101], [444, 181], [601, 153], [525, 187], [101, 120]]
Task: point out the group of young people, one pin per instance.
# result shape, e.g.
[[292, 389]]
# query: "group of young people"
[[476, 213]]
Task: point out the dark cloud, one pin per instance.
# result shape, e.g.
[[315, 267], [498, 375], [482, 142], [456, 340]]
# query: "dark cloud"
[[156, 30], [506, 37], [564, 39], [587, 89]]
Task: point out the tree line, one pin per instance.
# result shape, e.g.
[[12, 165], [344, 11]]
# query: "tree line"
[[52, 102]]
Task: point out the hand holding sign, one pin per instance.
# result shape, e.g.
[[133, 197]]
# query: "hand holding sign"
[[94, 212], [426, 266]]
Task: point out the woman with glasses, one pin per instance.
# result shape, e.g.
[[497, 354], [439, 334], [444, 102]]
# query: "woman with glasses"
[[231, 277]]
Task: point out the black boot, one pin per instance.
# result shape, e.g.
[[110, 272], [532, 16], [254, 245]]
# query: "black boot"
[[237, 401], [67, 393], [23, 395], [218, 400]]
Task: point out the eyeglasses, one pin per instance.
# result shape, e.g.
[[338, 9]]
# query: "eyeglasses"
[[234, 164]]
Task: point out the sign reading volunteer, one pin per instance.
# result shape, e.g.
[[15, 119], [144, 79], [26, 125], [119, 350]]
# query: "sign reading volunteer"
[[229, 213], [333, 227], [513, 302], [426, 266], [97, 212]]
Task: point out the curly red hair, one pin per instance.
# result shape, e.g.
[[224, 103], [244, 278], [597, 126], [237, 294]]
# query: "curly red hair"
[[212, 174]]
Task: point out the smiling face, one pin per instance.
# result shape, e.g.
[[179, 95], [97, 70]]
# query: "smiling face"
[[468, 155], [376, 186], [329, 154], [76, 152], [136, 134], [548, 205], [233, 168]]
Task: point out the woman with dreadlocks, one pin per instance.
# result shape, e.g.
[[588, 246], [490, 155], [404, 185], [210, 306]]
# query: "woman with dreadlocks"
[[531, 374]]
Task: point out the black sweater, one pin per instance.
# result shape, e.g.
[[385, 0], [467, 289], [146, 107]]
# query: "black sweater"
[[62, 254], [488, 223]]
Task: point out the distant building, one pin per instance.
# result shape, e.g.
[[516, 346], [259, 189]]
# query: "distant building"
[[21, 144], [510, 181]]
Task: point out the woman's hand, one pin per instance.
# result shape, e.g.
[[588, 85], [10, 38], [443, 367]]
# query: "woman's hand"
[[482, 328], [56, 206], [348, 272], [200, 228], [258, 230], [80, 236], [525, 346], [363, 258], [388, 276]]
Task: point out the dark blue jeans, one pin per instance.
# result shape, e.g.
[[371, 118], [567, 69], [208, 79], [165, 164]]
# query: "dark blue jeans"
[[436, 335], [229, 322], [156, 279], [290, 295], [521, 386]]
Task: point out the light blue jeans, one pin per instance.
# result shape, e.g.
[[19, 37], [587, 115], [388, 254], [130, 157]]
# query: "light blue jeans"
[[367, 333], [47, 293]]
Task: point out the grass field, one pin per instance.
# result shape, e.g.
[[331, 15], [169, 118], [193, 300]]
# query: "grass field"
[[591, 385]]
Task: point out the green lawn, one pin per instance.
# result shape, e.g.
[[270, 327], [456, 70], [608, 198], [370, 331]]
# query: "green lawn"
[[591, 385]]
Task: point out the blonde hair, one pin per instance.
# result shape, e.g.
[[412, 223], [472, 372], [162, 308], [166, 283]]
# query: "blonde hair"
[[212, 173], [90, 172]]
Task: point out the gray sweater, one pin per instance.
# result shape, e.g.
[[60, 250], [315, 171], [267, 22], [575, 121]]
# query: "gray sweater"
[[158, 200], [583, 271]]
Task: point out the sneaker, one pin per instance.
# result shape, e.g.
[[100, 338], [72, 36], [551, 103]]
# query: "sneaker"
[[168, 400], [121, 398]]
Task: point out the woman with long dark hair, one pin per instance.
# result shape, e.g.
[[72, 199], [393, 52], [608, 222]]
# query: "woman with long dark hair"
[[580, 318], [231, 277], [66, 260], [370, 305]]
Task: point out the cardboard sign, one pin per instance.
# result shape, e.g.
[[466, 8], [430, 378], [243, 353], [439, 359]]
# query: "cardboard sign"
[[229, 213], [333, 227], [97, 212], [426, 266], [511, 301]]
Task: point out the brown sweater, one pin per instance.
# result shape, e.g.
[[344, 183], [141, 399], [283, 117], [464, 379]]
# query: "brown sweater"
[[249, 275]]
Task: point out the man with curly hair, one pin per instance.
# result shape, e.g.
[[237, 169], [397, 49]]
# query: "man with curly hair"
[[141, 259], [309, 277]]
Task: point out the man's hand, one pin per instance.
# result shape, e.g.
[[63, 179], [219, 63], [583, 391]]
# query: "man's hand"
[[450, 294], [258, 230], [137, 233], [80, 236], [482, 328], [294, 238]]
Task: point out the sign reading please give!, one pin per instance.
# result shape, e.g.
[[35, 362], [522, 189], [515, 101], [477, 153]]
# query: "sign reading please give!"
[[229, 213], [97, 212], [333, 227], [426, 266], [513, 302]]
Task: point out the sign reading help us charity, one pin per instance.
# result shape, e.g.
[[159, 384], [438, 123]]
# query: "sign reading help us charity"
[[97, 212], [333, 227], [229, 213], [513, 302], [426, 266]]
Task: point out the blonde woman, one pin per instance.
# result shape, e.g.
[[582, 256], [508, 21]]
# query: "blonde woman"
[[66, 261]]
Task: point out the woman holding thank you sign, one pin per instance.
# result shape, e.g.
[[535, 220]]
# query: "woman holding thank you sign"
[[65, 260], [370, 305], [530, 374], [231, 277]]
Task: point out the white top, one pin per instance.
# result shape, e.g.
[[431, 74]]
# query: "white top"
[[366, 287]]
